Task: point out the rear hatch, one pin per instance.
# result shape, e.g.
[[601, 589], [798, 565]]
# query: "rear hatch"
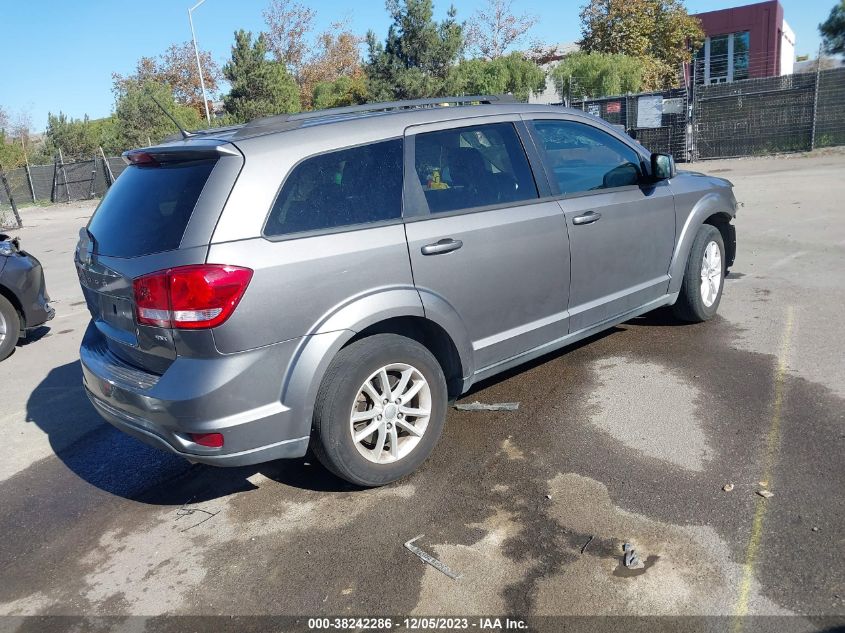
[[159, 214]]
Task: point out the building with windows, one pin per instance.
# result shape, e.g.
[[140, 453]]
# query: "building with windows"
[[744, 42]]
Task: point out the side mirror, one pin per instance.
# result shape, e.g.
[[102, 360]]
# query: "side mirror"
[[662, 166]]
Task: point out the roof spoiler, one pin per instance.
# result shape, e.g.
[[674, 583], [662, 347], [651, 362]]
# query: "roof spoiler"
[[196, 150]]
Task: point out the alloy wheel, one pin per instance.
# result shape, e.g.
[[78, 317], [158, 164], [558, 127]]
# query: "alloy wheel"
[[711, 274], [390, 413]]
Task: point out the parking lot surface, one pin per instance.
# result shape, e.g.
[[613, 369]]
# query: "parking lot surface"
[[627, 437]]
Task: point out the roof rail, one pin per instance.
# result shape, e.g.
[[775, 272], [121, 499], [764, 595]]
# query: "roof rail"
[[283, 121], [399, 105]]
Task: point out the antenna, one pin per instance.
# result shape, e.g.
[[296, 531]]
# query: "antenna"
[[185, 133]]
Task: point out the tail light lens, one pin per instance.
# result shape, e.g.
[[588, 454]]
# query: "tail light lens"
[[190, 297]]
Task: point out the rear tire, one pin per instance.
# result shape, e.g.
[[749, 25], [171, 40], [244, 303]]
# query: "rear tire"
[[704, 277], [10, 326], [360, 437]]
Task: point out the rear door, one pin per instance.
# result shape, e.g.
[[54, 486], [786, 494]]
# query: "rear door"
[[622, 231], [158, 214], [484, 237]]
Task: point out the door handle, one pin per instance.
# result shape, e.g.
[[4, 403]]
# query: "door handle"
[[446, 245], [588, 218]]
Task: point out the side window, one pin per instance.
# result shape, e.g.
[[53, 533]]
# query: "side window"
[[583, 158], [351, 186], [472, 167]]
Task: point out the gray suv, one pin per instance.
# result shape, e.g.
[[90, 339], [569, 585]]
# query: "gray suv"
[[333, 279]]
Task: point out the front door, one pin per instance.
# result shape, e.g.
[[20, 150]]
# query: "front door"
[[622, 232], [481, 239]]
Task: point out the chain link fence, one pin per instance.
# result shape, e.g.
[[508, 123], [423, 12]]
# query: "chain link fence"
[[658, 120], [756, 117], [749, 117], [59, 182]]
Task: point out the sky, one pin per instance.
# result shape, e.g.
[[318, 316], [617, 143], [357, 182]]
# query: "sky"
[[60, 55]]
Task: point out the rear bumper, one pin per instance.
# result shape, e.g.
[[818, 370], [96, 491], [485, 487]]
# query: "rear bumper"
[[237, 395], [24, 275], [175, 443]]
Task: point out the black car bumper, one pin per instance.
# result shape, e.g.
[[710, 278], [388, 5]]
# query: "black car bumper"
[[23, 276]]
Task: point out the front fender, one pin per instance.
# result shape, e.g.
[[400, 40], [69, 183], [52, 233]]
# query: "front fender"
[[713, 203]]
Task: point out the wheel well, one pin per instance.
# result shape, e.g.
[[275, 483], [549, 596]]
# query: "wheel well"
[[722, 221], [10, 296], [430, 335]]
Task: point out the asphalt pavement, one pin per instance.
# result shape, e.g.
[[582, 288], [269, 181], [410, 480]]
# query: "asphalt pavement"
[[630, 436]]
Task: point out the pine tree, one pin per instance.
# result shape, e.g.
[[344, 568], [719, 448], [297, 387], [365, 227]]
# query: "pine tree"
[[260, 86], [418, 54]]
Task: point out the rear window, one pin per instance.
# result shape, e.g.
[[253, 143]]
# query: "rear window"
[[353, 186], [147, 209]]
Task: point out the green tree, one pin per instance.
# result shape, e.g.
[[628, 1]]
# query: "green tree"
[[343, 91], [17, 143], [418, 54], [512, 74], [833, 30], [76, 138], [659, 32], [594, 75], [260, 86], [139, 121], [11, 153]]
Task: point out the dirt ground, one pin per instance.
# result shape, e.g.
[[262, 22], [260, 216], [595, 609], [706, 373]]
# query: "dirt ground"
[[627, 437]]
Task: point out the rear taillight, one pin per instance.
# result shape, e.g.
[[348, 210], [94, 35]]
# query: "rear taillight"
[[190, 297], [152, 305]]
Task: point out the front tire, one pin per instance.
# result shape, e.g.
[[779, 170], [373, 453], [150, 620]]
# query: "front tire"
[[380, 410], [704, 277], [10, 326]]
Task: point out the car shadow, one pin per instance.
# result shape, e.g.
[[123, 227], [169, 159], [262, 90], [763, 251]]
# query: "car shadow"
[[119, 464], [33, 336], [662, 317], [545, 358]]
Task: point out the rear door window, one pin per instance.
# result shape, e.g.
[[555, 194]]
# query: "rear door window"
[[348, 187], [582, 158], [470, 167], [147, 208]]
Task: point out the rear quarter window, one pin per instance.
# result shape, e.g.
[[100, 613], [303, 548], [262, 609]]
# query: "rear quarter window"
[[353, 186], [148, 208]]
